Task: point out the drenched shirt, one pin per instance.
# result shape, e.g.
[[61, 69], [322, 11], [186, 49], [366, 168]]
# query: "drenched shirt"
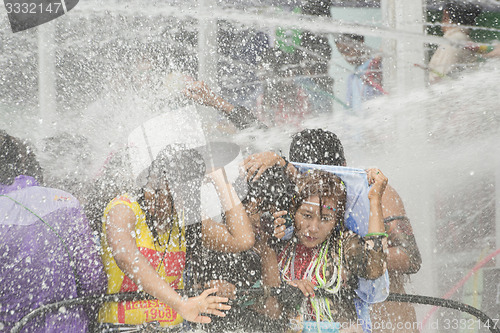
[[47, 254]]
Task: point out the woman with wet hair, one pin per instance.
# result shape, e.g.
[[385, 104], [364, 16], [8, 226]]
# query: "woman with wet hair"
[[149, 238], [324, 254], [318, 146]]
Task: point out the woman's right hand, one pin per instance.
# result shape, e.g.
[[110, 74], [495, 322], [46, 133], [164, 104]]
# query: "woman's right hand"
[[378, 181], [192, 308], [224, 288], [306, 286], [279, 224]]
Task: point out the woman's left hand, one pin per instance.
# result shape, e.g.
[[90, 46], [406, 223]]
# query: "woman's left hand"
[[378, 182]]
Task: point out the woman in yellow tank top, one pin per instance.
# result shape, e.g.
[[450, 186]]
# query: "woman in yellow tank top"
[[144, 242]]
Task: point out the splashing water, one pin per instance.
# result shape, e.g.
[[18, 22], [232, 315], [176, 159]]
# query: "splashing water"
[[438, 146]]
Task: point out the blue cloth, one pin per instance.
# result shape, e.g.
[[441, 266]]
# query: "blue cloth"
[[322, 326], [357, 210], [369, 292]]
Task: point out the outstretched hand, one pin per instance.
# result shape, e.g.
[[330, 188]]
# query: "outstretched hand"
[[378, 183], [192, 308], [200, 92]]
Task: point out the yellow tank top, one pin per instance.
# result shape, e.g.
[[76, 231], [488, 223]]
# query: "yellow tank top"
[[167, 259]]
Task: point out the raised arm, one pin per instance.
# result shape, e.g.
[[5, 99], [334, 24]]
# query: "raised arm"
[[366, 257], [378, 183], [120, 234], [237, 234], [240, 116]]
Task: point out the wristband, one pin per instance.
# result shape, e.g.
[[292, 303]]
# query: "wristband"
[[383, 234], [486, 48], [286, 163], [267, 291]]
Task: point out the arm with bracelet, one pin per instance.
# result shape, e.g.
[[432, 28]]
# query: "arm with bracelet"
[[375, 241], [404, 255]]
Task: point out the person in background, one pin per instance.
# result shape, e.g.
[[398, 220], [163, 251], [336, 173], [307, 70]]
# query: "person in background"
[[365, 82], [457, 19], [300, 62], [317, 146], [48, 253]]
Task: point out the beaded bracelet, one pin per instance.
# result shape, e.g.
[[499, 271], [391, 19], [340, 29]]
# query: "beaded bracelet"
[[384, 234], [486, 48]]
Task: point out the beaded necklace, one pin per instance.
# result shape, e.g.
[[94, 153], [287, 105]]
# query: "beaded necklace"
[[316, 270], [167, 242]]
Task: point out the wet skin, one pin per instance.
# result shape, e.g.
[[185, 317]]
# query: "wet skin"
[[313, 228]]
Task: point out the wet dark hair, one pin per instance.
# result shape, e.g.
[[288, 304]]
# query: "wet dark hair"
[[324, 185], [462, 13], [182, 170], [177, 165], [272, 189], [317, 146], [17, 158]]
